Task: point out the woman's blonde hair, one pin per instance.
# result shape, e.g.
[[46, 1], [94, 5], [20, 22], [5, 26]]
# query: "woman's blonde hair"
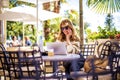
[[62, 37]]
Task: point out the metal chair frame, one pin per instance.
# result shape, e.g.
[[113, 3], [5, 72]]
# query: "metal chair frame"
[[18, 65], [85, 50], [108, 50], [24, 65], [3, 62], [88, 49]]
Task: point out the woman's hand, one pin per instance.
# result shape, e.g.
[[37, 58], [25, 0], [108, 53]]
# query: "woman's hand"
[[68, 35]]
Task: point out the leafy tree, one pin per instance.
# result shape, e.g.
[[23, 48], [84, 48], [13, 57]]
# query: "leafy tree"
[[102, 33], [51, 29], [109, 22], [14, 29], [30, 30], [14, 3], [108, 7], [86, 25], [74, 17]]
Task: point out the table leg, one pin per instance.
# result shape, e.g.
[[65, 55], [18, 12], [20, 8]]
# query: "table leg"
[[55, 66], [74, 65]]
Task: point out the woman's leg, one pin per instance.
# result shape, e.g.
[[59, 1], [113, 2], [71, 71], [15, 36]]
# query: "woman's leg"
[[67, 66]]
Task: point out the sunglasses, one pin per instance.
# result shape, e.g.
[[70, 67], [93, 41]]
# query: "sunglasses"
[[66, 28]]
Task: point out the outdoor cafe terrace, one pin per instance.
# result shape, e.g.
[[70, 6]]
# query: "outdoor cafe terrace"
[[100, 59], [31, 63]]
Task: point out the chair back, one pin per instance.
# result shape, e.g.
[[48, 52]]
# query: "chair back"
[[4, 62], [115, 55], [107, 48], [23, 64], [110, 50], [88, 49]]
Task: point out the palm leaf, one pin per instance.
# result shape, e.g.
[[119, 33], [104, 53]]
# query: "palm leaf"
[[104, 6]]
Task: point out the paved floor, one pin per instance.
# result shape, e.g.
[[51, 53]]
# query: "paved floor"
[[105, 77]]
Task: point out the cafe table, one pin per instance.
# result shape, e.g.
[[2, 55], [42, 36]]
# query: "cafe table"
[[15, 49], [54, 58], [21, 50], [58, 58]]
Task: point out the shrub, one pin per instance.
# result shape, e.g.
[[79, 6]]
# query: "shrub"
[[102, 33]]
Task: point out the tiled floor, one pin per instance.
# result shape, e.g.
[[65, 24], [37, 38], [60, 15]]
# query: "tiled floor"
[[106, 77]]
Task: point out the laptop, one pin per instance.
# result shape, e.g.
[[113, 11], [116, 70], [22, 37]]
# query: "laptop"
[[58, 47]]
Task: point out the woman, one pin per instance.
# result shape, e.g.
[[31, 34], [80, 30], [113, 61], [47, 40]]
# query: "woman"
[[15, 42], [67, 34], [27, 41]]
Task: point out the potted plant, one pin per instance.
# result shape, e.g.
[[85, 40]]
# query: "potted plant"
[[117, 36]]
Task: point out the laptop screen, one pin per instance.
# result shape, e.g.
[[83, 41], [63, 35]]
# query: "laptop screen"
[[58, 47]]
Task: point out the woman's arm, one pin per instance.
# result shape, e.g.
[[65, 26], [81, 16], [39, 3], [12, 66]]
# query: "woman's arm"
[[73, 48]]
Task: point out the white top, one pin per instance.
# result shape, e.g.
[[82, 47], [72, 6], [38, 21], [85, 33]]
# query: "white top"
[[15, 43]]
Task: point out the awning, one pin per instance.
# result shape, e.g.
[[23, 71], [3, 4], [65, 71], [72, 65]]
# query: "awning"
[[39, 1]]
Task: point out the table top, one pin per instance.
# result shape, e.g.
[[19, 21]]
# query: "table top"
[[61, 57], [16, 49], [46, 58]]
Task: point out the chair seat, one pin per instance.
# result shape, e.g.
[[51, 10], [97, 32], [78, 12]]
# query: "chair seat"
[[61, 68], [103, 77], [1, 72], [4, 75], [81, 74]]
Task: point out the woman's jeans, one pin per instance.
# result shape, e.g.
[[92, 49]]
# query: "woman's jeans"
[[74, 65]]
